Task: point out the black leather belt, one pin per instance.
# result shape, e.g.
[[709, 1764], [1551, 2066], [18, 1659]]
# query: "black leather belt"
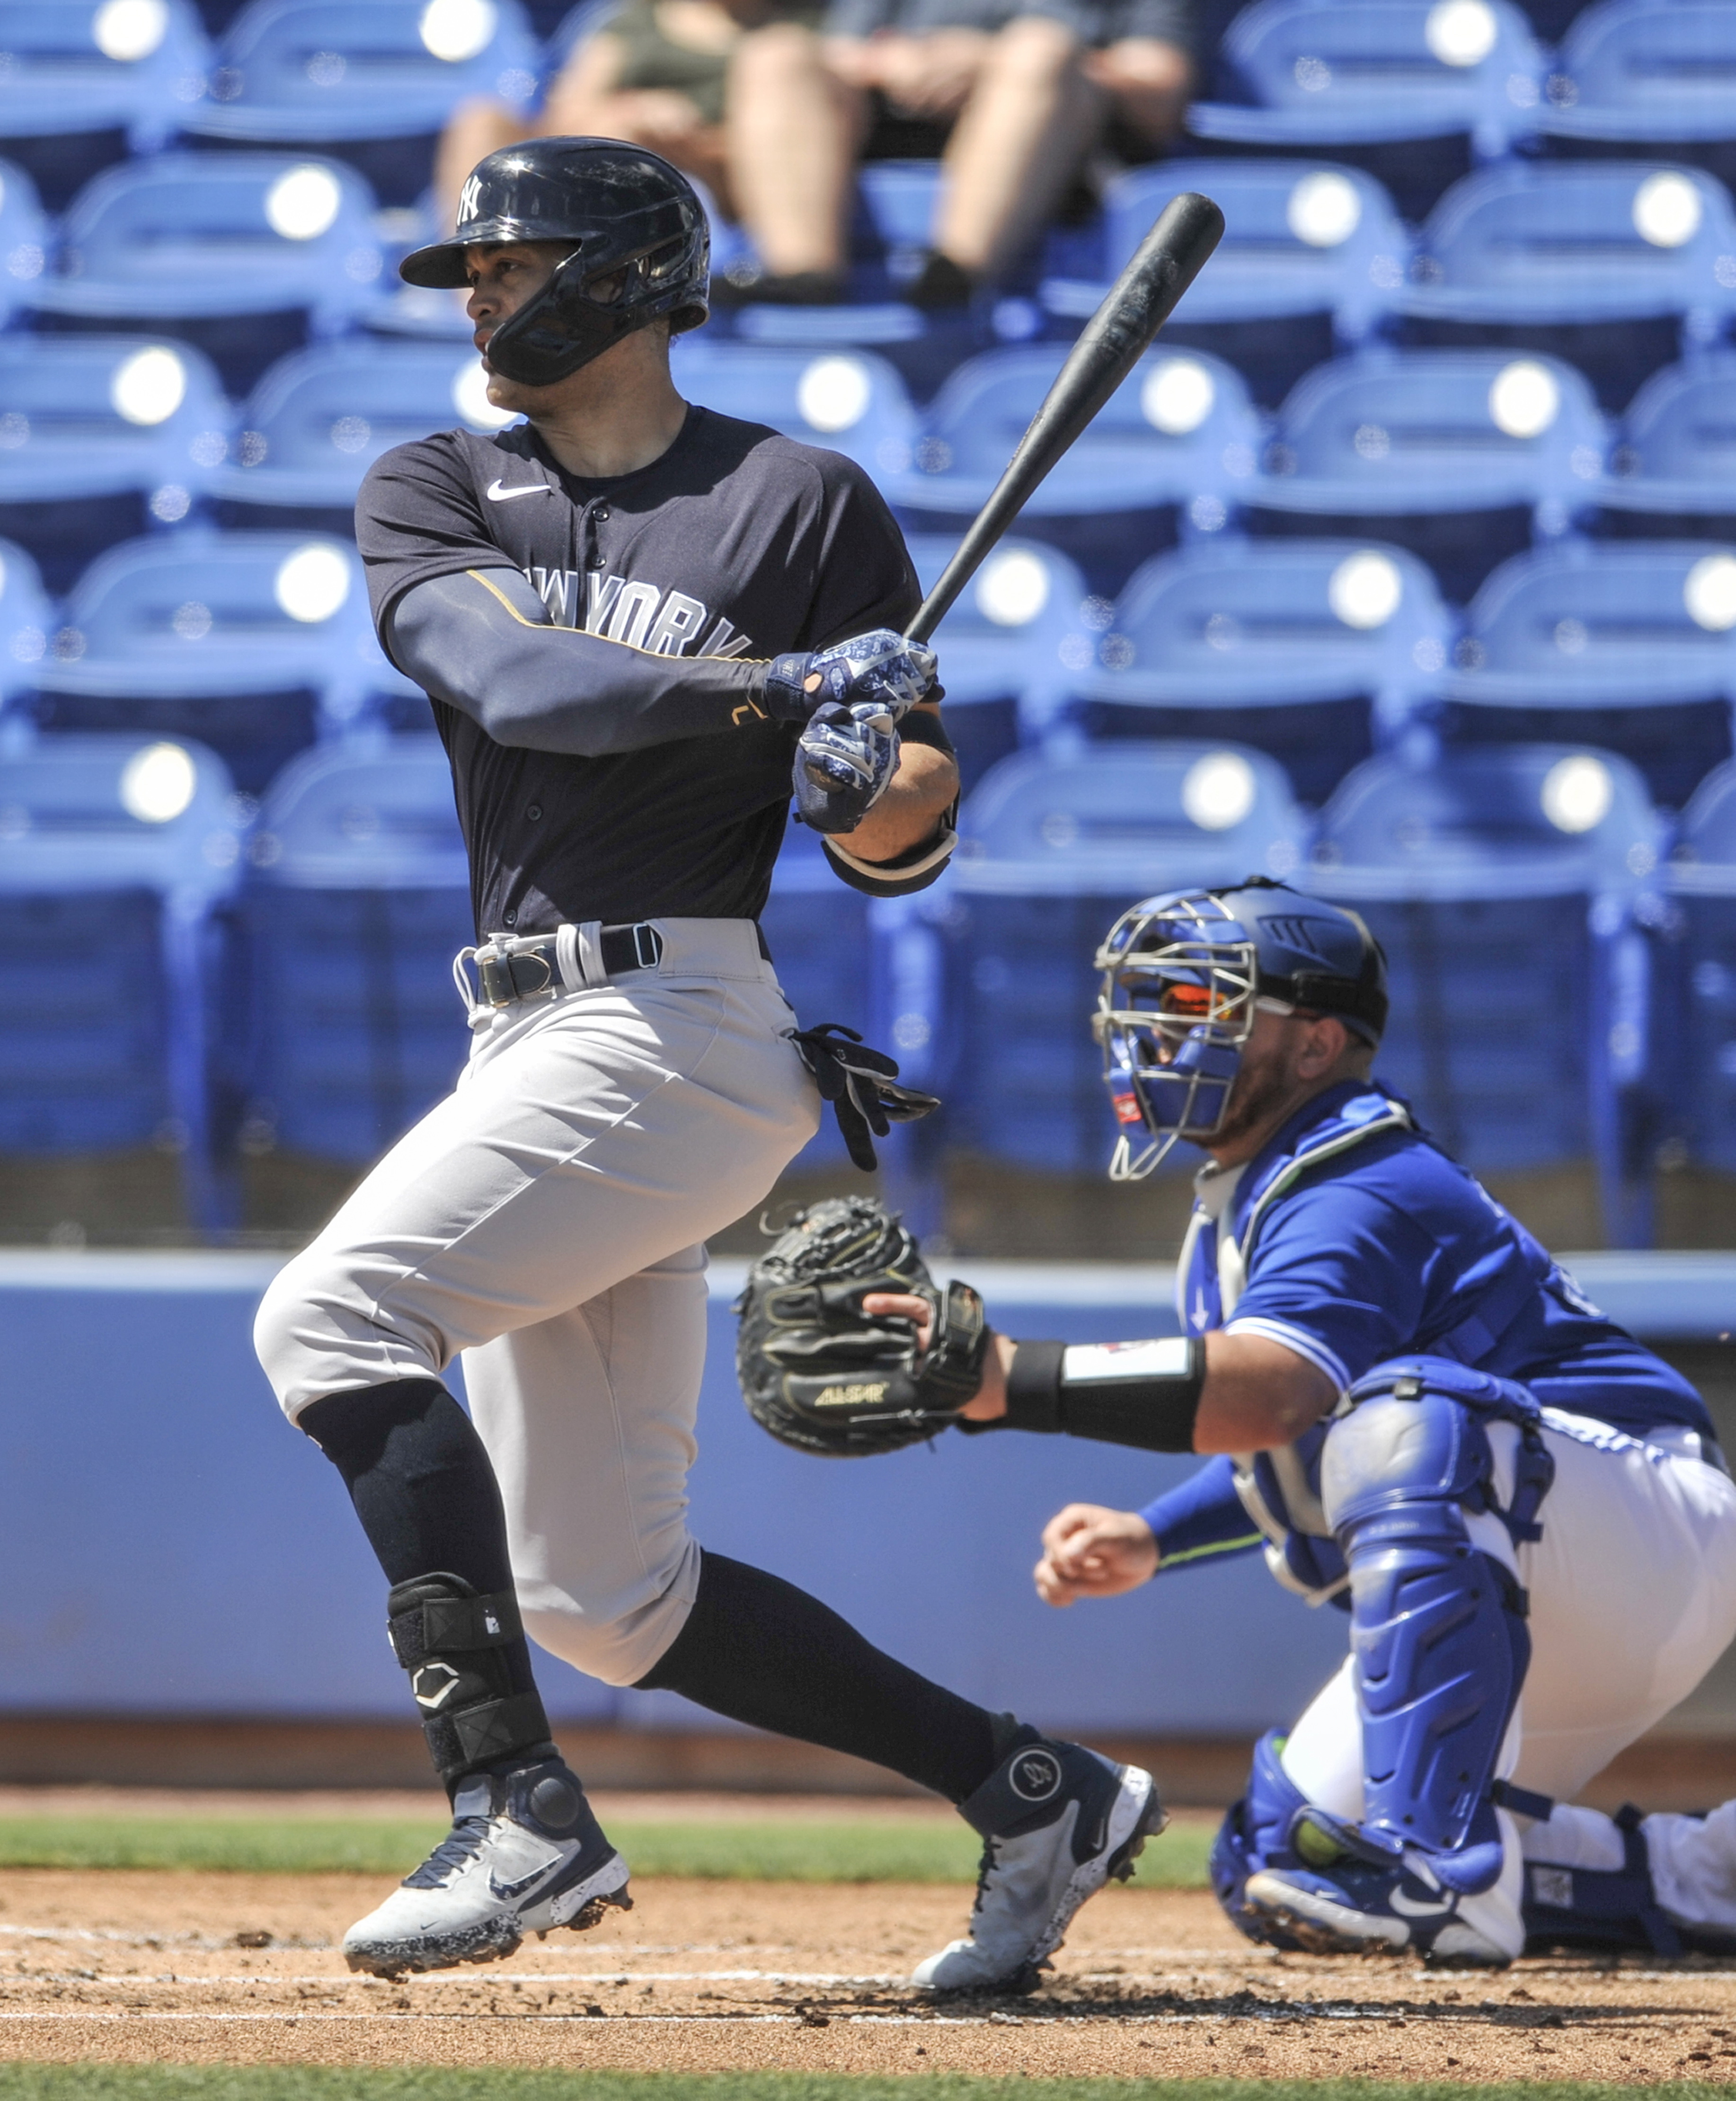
[[534, 968]]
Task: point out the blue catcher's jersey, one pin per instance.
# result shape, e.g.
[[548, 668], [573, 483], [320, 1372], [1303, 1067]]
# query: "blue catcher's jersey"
[[1351, 1240]]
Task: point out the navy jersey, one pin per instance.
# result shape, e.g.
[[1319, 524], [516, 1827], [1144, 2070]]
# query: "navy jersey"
[[734, 546], [1351, 1240]]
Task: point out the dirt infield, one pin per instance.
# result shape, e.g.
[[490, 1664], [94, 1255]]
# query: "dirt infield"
[[729, 1976]]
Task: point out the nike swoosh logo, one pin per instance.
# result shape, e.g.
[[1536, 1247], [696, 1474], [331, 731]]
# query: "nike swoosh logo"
[[499, 493], [1410, 1907]]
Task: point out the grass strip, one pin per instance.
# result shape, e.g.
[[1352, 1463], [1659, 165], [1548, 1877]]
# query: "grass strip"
[[219, 2082], [881, 1850]]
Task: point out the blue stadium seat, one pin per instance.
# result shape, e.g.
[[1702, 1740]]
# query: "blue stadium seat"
[[1460, 455], [850, 401], [101, 435], [24, 238], [191, 238], [1644, 253], [1634, 71], [253, 642], [1700, 877], [1317, 651], [1506, 886], [357, 899], [113, 853], [100, 65], [308, 72], [1055, 847], [26, 619], [1180, 436], [1320, 72], [321, 418], [1631, 645], [1313, 256], [1674, 471], [1009, 649]]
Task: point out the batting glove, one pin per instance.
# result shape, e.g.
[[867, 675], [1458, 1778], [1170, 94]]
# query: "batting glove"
[[844, 761], [880, 666]]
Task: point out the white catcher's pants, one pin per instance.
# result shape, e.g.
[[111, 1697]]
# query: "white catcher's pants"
[[1633, 1591], [547, 1219]]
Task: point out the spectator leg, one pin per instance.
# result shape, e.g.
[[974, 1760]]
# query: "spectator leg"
[[1148, 83], [793, 130], [1030, 121]]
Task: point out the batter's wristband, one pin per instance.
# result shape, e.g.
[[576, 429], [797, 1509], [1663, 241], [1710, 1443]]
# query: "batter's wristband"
[[1145, 1395]]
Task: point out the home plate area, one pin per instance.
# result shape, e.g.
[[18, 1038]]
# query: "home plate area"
[[142, 1966]]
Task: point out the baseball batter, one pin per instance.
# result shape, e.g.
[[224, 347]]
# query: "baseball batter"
[[640, 625], [1419, 1418]]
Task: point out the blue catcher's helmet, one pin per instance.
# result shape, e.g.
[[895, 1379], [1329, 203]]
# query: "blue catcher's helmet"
[[1184, 976]]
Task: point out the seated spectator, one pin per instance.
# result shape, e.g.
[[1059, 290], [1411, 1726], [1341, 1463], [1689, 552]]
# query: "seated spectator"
[[734, 92], [771, 116]]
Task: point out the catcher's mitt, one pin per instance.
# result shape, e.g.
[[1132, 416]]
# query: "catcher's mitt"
[[819, 1373]]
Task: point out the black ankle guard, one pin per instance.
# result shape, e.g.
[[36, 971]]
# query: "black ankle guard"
[[450, 1641]]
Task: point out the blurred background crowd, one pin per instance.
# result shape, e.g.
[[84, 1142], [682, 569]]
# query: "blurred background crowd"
[[1404, 567]]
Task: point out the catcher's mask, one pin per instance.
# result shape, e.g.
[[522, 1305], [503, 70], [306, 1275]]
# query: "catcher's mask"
[[640, 249], [1183, 976]]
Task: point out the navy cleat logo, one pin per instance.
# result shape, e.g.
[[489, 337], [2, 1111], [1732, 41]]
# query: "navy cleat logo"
[[1035, 1775]]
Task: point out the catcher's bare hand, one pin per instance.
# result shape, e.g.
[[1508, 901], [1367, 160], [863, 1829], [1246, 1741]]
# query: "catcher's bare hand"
[[991, 1399], [1089, 1551]]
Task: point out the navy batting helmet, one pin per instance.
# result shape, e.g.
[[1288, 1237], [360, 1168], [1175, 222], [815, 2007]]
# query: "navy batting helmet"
[[1183, 977], [640, 249]]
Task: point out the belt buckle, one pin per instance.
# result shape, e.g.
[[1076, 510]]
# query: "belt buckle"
[[506, 979], [648, 945]]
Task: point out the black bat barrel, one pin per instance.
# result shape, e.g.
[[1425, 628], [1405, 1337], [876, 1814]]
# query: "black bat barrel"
[[1113, 341]]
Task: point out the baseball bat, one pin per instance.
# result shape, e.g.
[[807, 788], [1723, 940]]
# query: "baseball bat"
[[1114, 340]]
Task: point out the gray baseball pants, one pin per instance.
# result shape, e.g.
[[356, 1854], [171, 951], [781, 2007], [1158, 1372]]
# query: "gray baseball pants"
[[548, 1219]]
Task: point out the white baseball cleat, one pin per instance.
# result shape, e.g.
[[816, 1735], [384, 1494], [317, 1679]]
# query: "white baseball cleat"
[[524, 1854], [1057, 1821]]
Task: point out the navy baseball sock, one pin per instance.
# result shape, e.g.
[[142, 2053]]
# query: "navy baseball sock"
[[425, 1491], [760, 1650]]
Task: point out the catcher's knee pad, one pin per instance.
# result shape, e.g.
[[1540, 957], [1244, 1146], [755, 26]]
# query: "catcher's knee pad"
[[1438, 1627], [1256, 1833], [453, 1644]]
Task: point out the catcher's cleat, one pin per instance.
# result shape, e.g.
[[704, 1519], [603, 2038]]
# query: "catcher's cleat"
[[1057, 1821], [524, 1853], [1356, 1907]]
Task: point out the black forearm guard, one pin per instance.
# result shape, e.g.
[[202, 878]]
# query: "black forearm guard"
[[1142, 1394]]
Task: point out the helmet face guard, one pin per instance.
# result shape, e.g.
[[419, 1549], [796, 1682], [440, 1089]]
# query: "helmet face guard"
[[586, 307], [1184, 977], [1180, 991]]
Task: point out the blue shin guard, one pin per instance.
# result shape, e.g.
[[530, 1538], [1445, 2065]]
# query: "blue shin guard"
[[1438, 1627]]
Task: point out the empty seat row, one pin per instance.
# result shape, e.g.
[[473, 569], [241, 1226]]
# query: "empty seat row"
[[294, 71], [1561, 953], [1466, 455], [1384, 73], [1317, 650]]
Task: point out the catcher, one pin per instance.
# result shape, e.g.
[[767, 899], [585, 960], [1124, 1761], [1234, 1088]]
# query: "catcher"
[[1421, 1418]]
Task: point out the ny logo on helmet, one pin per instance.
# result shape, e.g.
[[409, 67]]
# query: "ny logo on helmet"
[[469, 198]]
